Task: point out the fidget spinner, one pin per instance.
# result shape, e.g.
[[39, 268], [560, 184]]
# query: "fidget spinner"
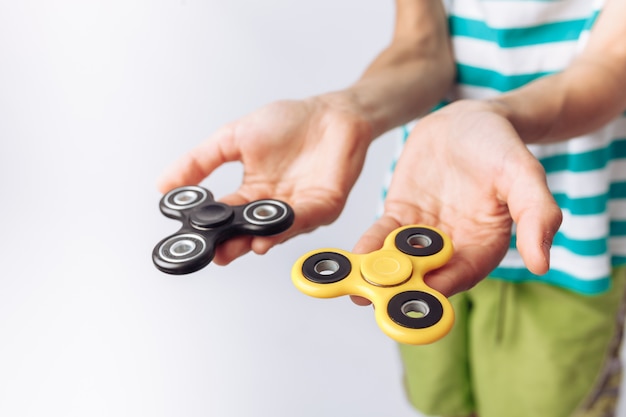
[[392, 278], [207, 223]]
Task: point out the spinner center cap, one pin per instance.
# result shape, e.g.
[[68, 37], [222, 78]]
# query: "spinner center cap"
[[386, 268]]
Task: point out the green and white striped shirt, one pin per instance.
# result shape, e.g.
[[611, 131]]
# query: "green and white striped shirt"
[[501, 45]]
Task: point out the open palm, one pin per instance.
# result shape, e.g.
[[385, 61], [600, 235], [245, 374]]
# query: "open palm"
[[465, 170], [308, 153]]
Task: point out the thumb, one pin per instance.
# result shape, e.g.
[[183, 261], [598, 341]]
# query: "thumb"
[[537, 215], [373, 240], [201, 161], [375, 236]]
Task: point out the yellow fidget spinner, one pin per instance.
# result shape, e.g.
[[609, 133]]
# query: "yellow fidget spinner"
[[392, 278]]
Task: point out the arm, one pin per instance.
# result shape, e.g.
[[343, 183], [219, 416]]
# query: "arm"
[[413, 74], [310, 152], [580, 99], [479, 178]]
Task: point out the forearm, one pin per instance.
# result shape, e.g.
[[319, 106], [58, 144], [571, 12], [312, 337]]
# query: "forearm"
[[575, 102], [582, 98], [411, 75], [392, 93]]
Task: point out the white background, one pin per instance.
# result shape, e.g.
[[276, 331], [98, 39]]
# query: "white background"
[[96, 98]]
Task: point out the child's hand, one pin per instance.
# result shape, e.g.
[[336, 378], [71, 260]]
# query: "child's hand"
[[307, 153], [465, 170]]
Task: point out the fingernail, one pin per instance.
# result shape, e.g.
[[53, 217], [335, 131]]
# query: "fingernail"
[[546, 245]]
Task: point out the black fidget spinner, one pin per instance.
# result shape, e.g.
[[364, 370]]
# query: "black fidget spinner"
[[207, 223]]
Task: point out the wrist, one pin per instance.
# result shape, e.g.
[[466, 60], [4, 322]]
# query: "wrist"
[[529, 128], [348, 103], [362, 101]]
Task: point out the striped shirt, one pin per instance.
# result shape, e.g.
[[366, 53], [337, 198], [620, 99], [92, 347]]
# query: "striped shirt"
[[500, 45]]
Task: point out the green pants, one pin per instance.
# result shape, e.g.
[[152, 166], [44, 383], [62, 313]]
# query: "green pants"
[[522, 350]]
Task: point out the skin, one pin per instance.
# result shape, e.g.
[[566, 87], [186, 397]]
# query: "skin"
[[464, 169], [310, 152]]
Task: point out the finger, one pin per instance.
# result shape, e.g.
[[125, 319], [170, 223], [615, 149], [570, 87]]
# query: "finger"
[[235, 247], [374, 237], [232, 249], [537, 215], [360, 301], [201, 161], [370, 241], [459, 273], [308, 215]]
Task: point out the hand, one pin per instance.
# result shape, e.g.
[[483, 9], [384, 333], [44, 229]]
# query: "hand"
[[465, 170], [307, 153]]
